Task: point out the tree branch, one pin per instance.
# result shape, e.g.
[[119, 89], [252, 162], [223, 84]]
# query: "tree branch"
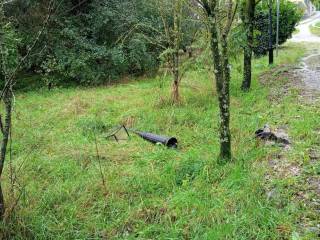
[[1, 125], [9, 83]]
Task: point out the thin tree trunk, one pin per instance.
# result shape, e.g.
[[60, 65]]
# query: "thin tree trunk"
[[5, 139], [247, 54], [247, 68], [270, 34], [175, 85], [225, 136], [176, 45], [2, 209], [6, 133], [222, 75]]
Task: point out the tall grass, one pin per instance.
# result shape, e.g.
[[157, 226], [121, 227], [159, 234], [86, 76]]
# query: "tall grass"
[[151, 192]]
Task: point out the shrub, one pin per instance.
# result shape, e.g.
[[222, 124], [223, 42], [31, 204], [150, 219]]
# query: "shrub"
[[290, 14]]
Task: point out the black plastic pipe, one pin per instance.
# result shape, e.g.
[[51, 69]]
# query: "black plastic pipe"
[[170, 142]]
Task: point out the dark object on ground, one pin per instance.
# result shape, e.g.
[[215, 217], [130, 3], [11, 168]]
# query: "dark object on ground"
[[278, 136], [170, 142], [50, 85], [119, 133]]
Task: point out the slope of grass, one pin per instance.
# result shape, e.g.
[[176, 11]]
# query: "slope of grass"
[[315, 29], [72, 188]]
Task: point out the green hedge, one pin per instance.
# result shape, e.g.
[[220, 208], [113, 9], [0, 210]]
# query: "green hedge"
[[290, 15]]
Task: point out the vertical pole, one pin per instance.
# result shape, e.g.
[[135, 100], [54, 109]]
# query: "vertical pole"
[[270, 34], [277, 37]]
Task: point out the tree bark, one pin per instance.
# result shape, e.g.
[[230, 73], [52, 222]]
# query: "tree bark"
[[5, 139], [247, 68], [224, 104], [175, 85], [247, 53], [2, 209], [270, 34], [176, 46], [222, 76]]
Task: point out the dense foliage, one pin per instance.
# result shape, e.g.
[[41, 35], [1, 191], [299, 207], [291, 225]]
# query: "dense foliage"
[[91, 42], [316, 3], [290, 15], [82, 43]]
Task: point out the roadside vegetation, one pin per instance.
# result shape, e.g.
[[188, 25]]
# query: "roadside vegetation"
[[315, 29], [72, 71], [148, 191]]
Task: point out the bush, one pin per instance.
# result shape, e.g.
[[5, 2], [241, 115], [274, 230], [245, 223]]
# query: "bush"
[[90, 43], [290, 15]]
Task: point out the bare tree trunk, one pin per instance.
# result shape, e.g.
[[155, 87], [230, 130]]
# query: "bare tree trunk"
[[176, 46], [270, 34], [247, 68], [224, 104], [175, 85], [222, 76], [247, 53], [5, 139], [2, 209], [219, 49], [6, 94]]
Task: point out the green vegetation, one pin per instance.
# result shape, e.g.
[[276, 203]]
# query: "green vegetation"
[[296, 31], [315, 29], [93, 42], [316, 3], [60, 178], [98, 42], [290, 15], [147, 191]]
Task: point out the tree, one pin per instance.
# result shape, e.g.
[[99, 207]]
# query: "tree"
[[178, 32], [177, 14], [7, 63], [172, 37], [270, 34], [11, 64], [248, 12], [316, 3], [220, 16], [81, 46], [290, 15]]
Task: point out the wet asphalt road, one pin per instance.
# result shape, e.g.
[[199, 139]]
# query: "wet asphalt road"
[[310, 65], [304, 34]]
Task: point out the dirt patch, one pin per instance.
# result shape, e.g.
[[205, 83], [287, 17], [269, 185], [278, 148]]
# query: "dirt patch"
[[280, 81], [285, 79], [282, 168]]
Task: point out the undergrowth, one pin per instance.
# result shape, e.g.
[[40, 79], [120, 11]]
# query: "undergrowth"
[[73, 188]]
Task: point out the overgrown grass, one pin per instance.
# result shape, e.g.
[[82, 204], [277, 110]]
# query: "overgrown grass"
[[147, 191]]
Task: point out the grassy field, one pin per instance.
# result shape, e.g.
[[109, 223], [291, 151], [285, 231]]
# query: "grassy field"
[[315, 29], [76, 185]]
